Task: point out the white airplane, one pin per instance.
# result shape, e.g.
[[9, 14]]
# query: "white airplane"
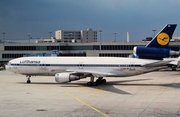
[[66, 69]]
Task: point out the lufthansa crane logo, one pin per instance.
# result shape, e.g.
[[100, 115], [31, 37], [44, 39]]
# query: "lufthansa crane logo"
[[163, 39]]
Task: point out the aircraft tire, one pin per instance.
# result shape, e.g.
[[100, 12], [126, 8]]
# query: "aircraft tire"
[[104, 81], [92, 83], [89, 84], [28, 81], [95, 83], [98, 81]]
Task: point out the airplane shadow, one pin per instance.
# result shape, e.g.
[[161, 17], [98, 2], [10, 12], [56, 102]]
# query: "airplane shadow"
[[172, 85], [170, 70], [109, 86]]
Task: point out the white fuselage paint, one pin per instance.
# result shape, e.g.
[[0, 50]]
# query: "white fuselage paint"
[[108, 66]]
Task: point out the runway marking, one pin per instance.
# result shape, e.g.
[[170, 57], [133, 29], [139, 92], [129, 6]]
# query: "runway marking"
[[178, 76], [93, 93], [79, 100], [77, 90]]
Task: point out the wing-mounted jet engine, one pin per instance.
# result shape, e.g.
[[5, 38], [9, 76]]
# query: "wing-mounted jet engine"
[[65, 77]]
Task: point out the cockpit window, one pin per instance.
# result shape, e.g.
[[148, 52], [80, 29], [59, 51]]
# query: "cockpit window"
[[9, 63]]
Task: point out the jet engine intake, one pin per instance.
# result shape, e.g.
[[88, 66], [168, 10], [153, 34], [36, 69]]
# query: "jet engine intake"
[[65, 77]]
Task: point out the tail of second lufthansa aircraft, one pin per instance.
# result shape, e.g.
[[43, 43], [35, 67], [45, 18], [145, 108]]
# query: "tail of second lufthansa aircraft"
[[163, 38], [158, 47]]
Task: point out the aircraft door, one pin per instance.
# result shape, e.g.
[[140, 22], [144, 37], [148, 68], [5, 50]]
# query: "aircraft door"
[[42, 68], [81, 65], [43, 65], [132, 66], [15, 66]]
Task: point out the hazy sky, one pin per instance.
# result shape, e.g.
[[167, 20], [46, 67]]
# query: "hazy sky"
[[38, 17]]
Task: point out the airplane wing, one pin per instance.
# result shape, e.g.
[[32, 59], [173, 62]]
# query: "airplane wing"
[[109, 72], [156, 64], [89, 72]]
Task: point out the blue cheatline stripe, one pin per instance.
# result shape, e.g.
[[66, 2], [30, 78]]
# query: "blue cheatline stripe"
[[81, 65]]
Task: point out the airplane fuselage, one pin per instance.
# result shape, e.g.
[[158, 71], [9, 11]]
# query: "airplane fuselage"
[[107, 66]]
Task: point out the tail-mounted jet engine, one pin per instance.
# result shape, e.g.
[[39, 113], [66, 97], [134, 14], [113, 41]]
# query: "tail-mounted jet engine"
[[153, 53], [65, 77]]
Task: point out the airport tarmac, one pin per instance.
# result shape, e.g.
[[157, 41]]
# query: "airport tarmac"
[[155, 94]]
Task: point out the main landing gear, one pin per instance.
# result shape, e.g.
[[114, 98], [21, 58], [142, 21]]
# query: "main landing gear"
[[28, 79], [100, 80]]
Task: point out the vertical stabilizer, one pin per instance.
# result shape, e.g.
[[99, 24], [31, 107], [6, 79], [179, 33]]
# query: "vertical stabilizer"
[[163, 38]]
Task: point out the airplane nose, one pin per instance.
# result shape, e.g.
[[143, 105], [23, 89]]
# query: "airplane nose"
[[6, 67]]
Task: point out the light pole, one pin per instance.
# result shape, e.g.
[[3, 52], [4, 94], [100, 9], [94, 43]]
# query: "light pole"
[[154, 32], [29, 35], [50, 40], [115, 36], [100, 38], [4, 33], [50, 34]]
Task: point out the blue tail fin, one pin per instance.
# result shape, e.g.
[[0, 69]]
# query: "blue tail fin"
[[162, 39]]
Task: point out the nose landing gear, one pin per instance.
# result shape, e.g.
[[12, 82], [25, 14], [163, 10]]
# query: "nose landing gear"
[[28, 79]]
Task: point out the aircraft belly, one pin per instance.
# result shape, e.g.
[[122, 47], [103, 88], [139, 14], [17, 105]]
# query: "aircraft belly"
[[28, 71], [51, 71], [124, 72]]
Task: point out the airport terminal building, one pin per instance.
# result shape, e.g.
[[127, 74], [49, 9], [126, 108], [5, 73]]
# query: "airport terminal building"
[[72, 43], [83, 36], [10, 51]]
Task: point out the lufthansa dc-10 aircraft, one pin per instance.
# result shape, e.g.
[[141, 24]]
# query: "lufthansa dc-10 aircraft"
[[66, 69]]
